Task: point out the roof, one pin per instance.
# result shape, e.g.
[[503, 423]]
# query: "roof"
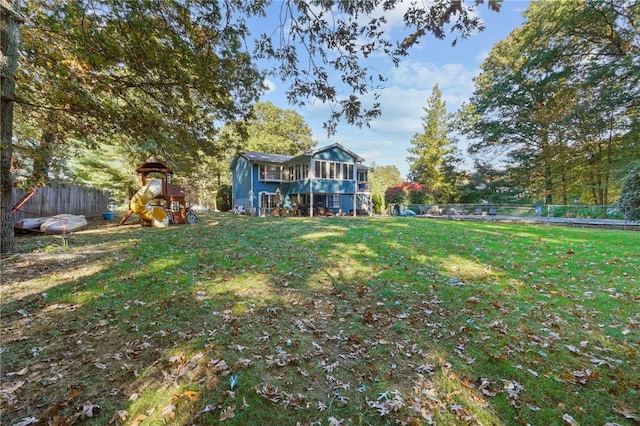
[[263, 157], [325, 148], [282, 159], [154, 165]]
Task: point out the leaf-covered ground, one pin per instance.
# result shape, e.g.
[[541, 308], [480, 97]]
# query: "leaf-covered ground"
[[325, 321]]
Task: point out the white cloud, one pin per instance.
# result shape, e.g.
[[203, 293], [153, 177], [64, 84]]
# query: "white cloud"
[[270, 85]]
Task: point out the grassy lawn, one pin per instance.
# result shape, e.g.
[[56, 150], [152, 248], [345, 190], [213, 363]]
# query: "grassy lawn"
[[324, 321]]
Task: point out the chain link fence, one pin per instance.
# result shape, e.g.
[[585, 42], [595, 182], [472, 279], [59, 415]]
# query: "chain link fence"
[[577, 211]]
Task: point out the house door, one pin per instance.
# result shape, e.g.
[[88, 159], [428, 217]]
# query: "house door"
[[268, 202]]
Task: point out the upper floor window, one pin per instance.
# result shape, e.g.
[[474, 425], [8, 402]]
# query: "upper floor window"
[[298, 172], [333, 170], [269, 172], [347, 172]]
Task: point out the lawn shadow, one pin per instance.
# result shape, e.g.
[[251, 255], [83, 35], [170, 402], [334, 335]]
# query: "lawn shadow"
[[305, 313]]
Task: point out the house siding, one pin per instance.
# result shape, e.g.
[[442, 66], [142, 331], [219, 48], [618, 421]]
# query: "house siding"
[[334, 154], [241, 183], [330, 186], [246, 178]]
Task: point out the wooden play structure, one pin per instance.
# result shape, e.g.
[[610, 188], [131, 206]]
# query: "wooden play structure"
[[158, 203]]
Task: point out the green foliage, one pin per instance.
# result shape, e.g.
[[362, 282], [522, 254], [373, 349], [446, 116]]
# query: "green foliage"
[[381, 178], [562, 118], [629, 202], [432, 151], [270, 129], [107, 167], [378, 203], [224, 198]]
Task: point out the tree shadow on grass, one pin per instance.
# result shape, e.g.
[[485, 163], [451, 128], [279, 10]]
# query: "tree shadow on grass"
[[276, 321]]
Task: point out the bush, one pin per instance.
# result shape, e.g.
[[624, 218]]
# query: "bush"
[[378, 203], [629, 201], [223, 199], [408, 193]]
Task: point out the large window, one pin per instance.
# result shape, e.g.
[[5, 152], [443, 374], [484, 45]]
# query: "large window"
[[269, 172], [333, 201], [299, 172], [333, 170]]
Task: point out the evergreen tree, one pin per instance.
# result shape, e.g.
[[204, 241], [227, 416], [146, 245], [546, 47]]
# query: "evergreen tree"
[[432, 150]]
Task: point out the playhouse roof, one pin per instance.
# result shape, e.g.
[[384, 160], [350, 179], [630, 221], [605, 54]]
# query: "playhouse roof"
[[154, 165]]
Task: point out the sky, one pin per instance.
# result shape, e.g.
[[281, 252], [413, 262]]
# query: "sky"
[[409, 86]]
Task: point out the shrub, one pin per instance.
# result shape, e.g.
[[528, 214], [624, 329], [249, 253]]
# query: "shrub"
[[408, 193], [223, 198]]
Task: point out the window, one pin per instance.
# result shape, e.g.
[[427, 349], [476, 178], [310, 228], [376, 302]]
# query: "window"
[[332, 170], [299, 172], [270, 172], [333, 201], [347, 171], [268, 201]]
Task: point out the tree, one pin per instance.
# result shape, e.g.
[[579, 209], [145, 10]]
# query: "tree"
[[344, 35], [433, 150], [108, 167], [169, 74], [381, 178], [9, 36], [408, 193], [629, 202], [555, 95], [278, 131]]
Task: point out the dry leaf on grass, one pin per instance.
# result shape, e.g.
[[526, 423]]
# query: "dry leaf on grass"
[[627, 412], [228, 413]]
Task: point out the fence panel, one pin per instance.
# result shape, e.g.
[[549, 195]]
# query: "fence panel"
[[52, 200]]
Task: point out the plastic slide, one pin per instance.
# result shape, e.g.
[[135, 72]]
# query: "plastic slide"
[[139, 204]]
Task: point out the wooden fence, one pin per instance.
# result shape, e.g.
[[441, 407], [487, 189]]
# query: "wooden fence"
[[52, 200]]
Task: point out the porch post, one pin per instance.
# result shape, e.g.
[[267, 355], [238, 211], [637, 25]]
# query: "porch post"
[[355, 205]]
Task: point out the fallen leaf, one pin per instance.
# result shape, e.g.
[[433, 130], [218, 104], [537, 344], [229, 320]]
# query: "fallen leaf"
[[19, 373], [26, 421], [228, 413], [567, 418], [626, 411], [119, 417], [169, 409]]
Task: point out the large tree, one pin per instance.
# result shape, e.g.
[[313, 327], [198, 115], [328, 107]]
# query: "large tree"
[[560, 96], [275, 130], [9, 36], [172, 72], [433, 150]]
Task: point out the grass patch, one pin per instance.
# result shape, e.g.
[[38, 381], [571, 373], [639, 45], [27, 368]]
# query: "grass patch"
[[323, 321]]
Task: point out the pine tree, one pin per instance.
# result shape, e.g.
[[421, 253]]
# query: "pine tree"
[[431, 151]]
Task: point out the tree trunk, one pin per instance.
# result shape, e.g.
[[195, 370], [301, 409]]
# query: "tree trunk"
[[43, 158], [10, 36]]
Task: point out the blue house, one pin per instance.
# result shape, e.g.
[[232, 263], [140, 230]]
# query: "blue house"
[[325, 181]]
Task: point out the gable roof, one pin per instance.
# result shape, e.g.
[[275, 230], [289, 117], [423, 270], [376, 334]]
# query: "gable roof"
[[281, 159], [328, 147]]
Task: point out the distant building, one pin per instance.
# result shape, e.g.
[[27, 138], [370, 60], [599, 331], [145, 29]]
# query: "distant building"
[[325, 181]]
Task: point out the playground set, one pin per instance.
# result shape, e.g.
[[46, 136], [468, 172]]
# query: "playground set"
[[158, 203]]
